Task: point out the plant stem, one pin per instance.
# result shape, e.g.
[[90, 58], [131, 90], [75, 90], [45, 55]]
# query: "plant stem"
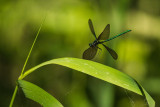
[[22, 72], [13, 97], [32, 47]]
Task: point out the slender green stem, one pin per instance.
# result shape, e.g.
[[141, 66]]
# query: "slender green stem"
[[14, 95], [22, 72], [31, 49]]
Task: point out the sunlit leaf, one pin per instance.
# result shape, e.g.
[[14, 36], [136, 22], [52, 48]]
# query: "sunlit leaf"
[[39, 95], [100, 71]]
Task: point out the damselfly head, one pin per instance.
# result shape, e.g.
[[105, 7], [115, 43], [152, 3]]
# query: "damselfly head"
[[90, 44]]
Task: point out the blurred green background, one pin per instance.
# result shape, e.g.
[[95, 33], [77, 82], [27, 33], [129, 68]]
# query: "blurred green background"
[[66, 33]]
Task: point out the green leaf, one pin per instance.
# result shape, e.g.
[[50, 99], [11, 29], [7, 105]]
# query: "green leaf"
[[100, 71], [39, 95]]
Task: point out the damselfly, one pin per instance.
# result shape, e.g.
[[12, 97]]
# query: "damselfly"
[[102, 38]]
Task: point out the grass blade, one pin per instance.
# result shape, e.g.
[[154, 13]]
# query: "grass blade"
[[16, 88], [100, 71], [39, 95]]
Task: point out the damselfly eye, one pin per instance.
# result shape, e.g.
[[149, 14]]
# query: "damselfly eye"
[[90, 44]]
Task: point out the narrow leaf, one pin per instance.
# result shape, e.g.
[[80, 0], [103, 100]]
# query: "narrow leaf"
[[100, 71], [39, 95]]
